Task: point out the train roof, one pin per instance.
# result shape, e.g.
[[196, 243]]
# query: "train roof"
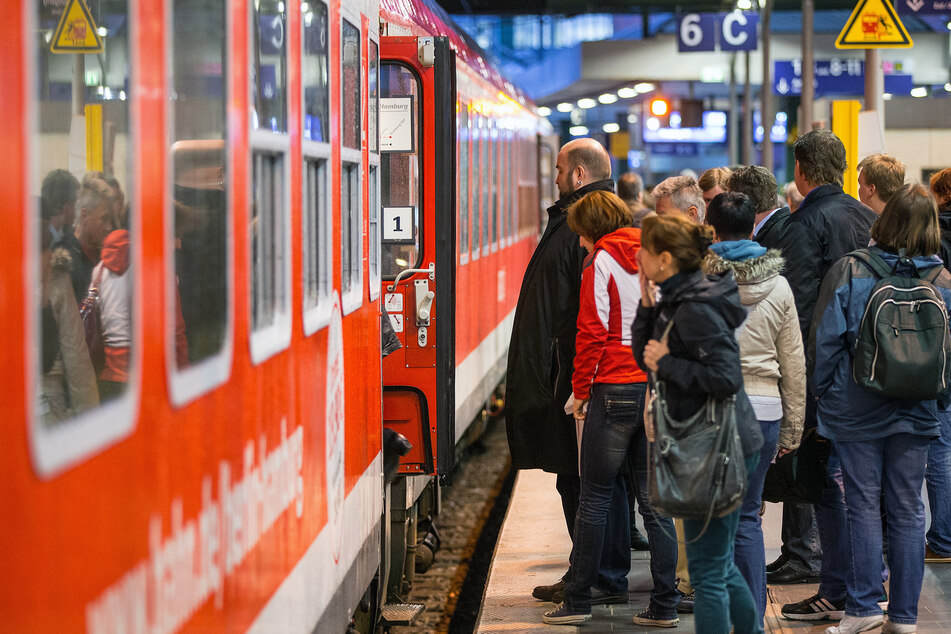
[[431, 19]]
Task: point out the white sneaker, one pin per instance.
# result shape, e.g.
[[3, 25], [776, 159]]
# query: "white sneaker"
[[855, 624], [899, 628]]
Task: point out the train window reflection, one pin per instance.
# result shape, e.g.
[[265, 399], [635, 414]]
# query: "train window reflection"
[[317, 247], [351, 237], [83, 252], [198, 300], [474, 196], [314, 71], [399, 170], [463, 172], [269, 84], [494, 187], [373, 208], [350, 85]]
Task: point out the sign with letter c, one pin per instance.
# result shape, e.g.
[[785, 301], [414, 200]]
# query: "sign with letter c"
[[739, 31]]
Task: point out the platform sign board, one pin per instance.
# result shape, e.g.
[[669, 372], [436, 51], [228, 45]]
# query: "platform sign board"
[[837, 77], [76, 32], [873, 24], [700, 32], [396, 124], [923, 7]]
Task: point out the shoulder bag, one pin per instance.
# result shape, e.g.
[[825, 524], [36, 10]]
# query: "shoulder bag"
[[696, 468]]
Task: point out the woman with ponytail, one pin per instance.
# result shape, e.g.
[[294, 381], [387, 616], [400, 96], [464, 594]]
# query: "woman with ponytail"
[[700, 358]]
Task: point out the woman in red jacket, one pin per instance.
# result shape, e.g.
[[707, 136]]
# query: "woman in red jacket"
[[609, 391]]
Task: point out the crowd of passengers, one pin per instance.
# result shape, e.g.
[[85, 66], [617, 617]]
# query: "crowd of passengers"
[[723, 287]]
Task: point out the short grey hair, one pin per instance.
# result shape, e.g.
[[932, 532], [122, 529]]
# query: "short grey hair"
[[684, 193]]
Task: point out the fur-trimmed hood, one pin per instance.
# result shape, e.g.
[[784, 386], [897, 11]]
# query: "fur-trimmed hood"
[[755, 277], [61, 260]]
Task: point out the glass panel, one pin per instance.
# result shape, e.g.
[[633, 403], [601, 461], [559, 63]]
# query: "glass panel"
[[399, 171], [372, 83], [474, 186], [269, 66], [268, 283], [349, 226], [494, 189], [374, 229], [317, 243], [463, 194], [315, 75], [82, 215], [350, 85], [486, 142], [197, 106]]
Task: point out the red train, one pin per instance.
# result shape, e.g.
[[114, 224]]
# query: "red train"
[[245, 184]]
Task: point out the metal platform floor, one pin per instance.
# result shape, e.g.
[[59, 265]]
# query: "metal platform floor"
[[533, 549]]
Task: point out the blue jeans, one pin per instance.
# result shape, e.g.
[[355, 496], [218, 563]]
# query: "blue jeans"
[[896, 465], [834, 534], [938, 479], [800, 537], [723, 596], [614, 425], [749, 551]]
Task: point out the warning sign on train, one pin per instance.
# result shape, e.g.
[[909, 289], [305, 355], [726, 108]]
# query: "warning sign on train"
[[77, 32], [874, 24], [396, 124]]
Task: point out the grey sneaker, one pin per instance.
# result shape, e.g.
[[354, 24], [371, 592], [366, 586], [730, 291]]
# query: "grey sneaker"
[[649, 617]]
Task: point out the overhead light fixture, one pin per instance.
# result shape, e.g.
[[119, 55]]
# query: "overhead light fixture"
[[919, 91], [947, 86], [587, 103], [607, 98], [643, 87], [577, 130], [626, 93], [564, 107], [544, 111], [949, 26], [887, 96], [744, 5], [632, 118], [611, 128], [102, 31], [653, 123]]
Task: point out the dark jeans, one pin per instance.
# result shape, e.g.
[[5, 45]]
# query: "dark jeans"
[[723, 596], [749, 549], [800, 537], [938, 479], [613, 426], [615, 557], [894, 465]]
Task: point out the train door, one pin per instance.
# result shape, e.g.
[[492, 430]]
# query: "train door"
[[417, 196]]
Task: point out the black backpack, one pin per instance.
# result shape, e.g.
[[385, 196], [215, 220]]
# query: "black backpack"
[[903, 349]]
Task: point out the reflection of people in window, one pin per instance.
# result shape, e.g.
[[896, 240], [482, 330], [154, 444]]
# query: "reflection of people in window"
[[68, 384], [115, 306], [95, 218]]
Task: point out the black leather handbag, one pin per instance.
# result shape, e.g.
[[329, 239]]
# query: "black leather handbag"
[[696, 468]]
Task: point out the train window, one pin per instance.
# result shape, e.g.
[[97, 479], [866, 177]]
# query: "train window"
[[494, 188], [373, 221], [197, 298], [351, 225], [84, 235], [399, 169], [269, 227], [513, 186], [504, 179], [463, 172], [350, 112], [315, 74], [316, 220], [475, 187], [487, 169]]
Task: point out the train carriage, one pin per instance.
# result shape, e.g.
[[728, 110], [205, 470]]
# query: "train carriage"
[[246, 185]]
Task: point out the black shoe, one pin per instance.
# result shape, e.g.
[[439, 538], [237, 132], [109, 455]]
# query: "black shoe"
[[547, 593], [776, 565], [563, 615], [649, 617], [815, 608], [638, 541], [597, 597], [686, 602], [788, 575]]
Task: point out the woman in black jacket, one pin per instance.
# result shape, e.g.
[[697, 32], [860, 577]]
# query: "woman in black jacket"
[[701, 358]]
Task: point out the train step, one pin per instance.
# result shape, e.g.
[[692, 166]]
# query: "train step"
[[401, 613]]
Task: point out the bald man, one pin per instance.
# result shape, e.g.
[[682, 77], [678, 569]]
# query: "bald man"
[[541, 358]]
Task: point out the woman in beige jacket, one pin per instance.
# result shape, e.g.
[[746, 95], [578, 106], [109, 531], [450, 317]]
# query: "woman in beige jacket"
[[772, 359]]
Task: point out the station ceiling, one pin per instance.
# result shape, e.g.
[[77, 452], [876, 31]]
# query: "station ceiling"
[[575, 7]]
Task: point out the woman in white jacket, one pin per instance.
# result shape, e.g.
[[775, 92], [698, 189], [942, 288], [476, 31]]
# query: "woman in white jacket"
[[771, 356]]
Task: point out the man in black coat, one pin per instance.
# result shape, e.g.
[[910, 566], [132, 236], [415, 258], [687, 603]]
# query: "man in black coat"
[[542, 350], [833, 224]]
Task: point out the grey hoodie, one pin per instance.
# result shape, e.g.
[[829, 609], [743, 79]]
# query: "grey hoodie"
[[771, 350]]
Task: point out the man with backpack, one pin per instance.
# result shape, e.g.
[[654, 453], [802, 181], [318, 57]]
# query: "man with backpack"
[[880, 360]]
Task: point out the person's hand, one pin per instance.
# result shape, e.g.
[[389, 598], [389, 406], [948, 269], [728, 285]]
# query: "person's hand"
[[647, 287], [783, 451], [654, 351], [579, 408]]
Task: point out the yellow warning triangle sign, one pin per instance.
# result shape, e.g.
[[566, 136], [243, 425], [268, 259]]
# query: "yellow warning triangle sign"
[[76, 32], [874, 24]]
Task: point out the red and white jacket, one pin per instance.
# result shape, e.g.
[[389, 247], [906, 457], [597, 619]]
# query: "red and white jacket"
[[610, 293]]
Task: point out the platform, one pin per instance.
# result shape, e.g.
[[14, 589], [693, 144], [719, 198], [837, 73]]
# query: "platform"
[[533, 549]]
